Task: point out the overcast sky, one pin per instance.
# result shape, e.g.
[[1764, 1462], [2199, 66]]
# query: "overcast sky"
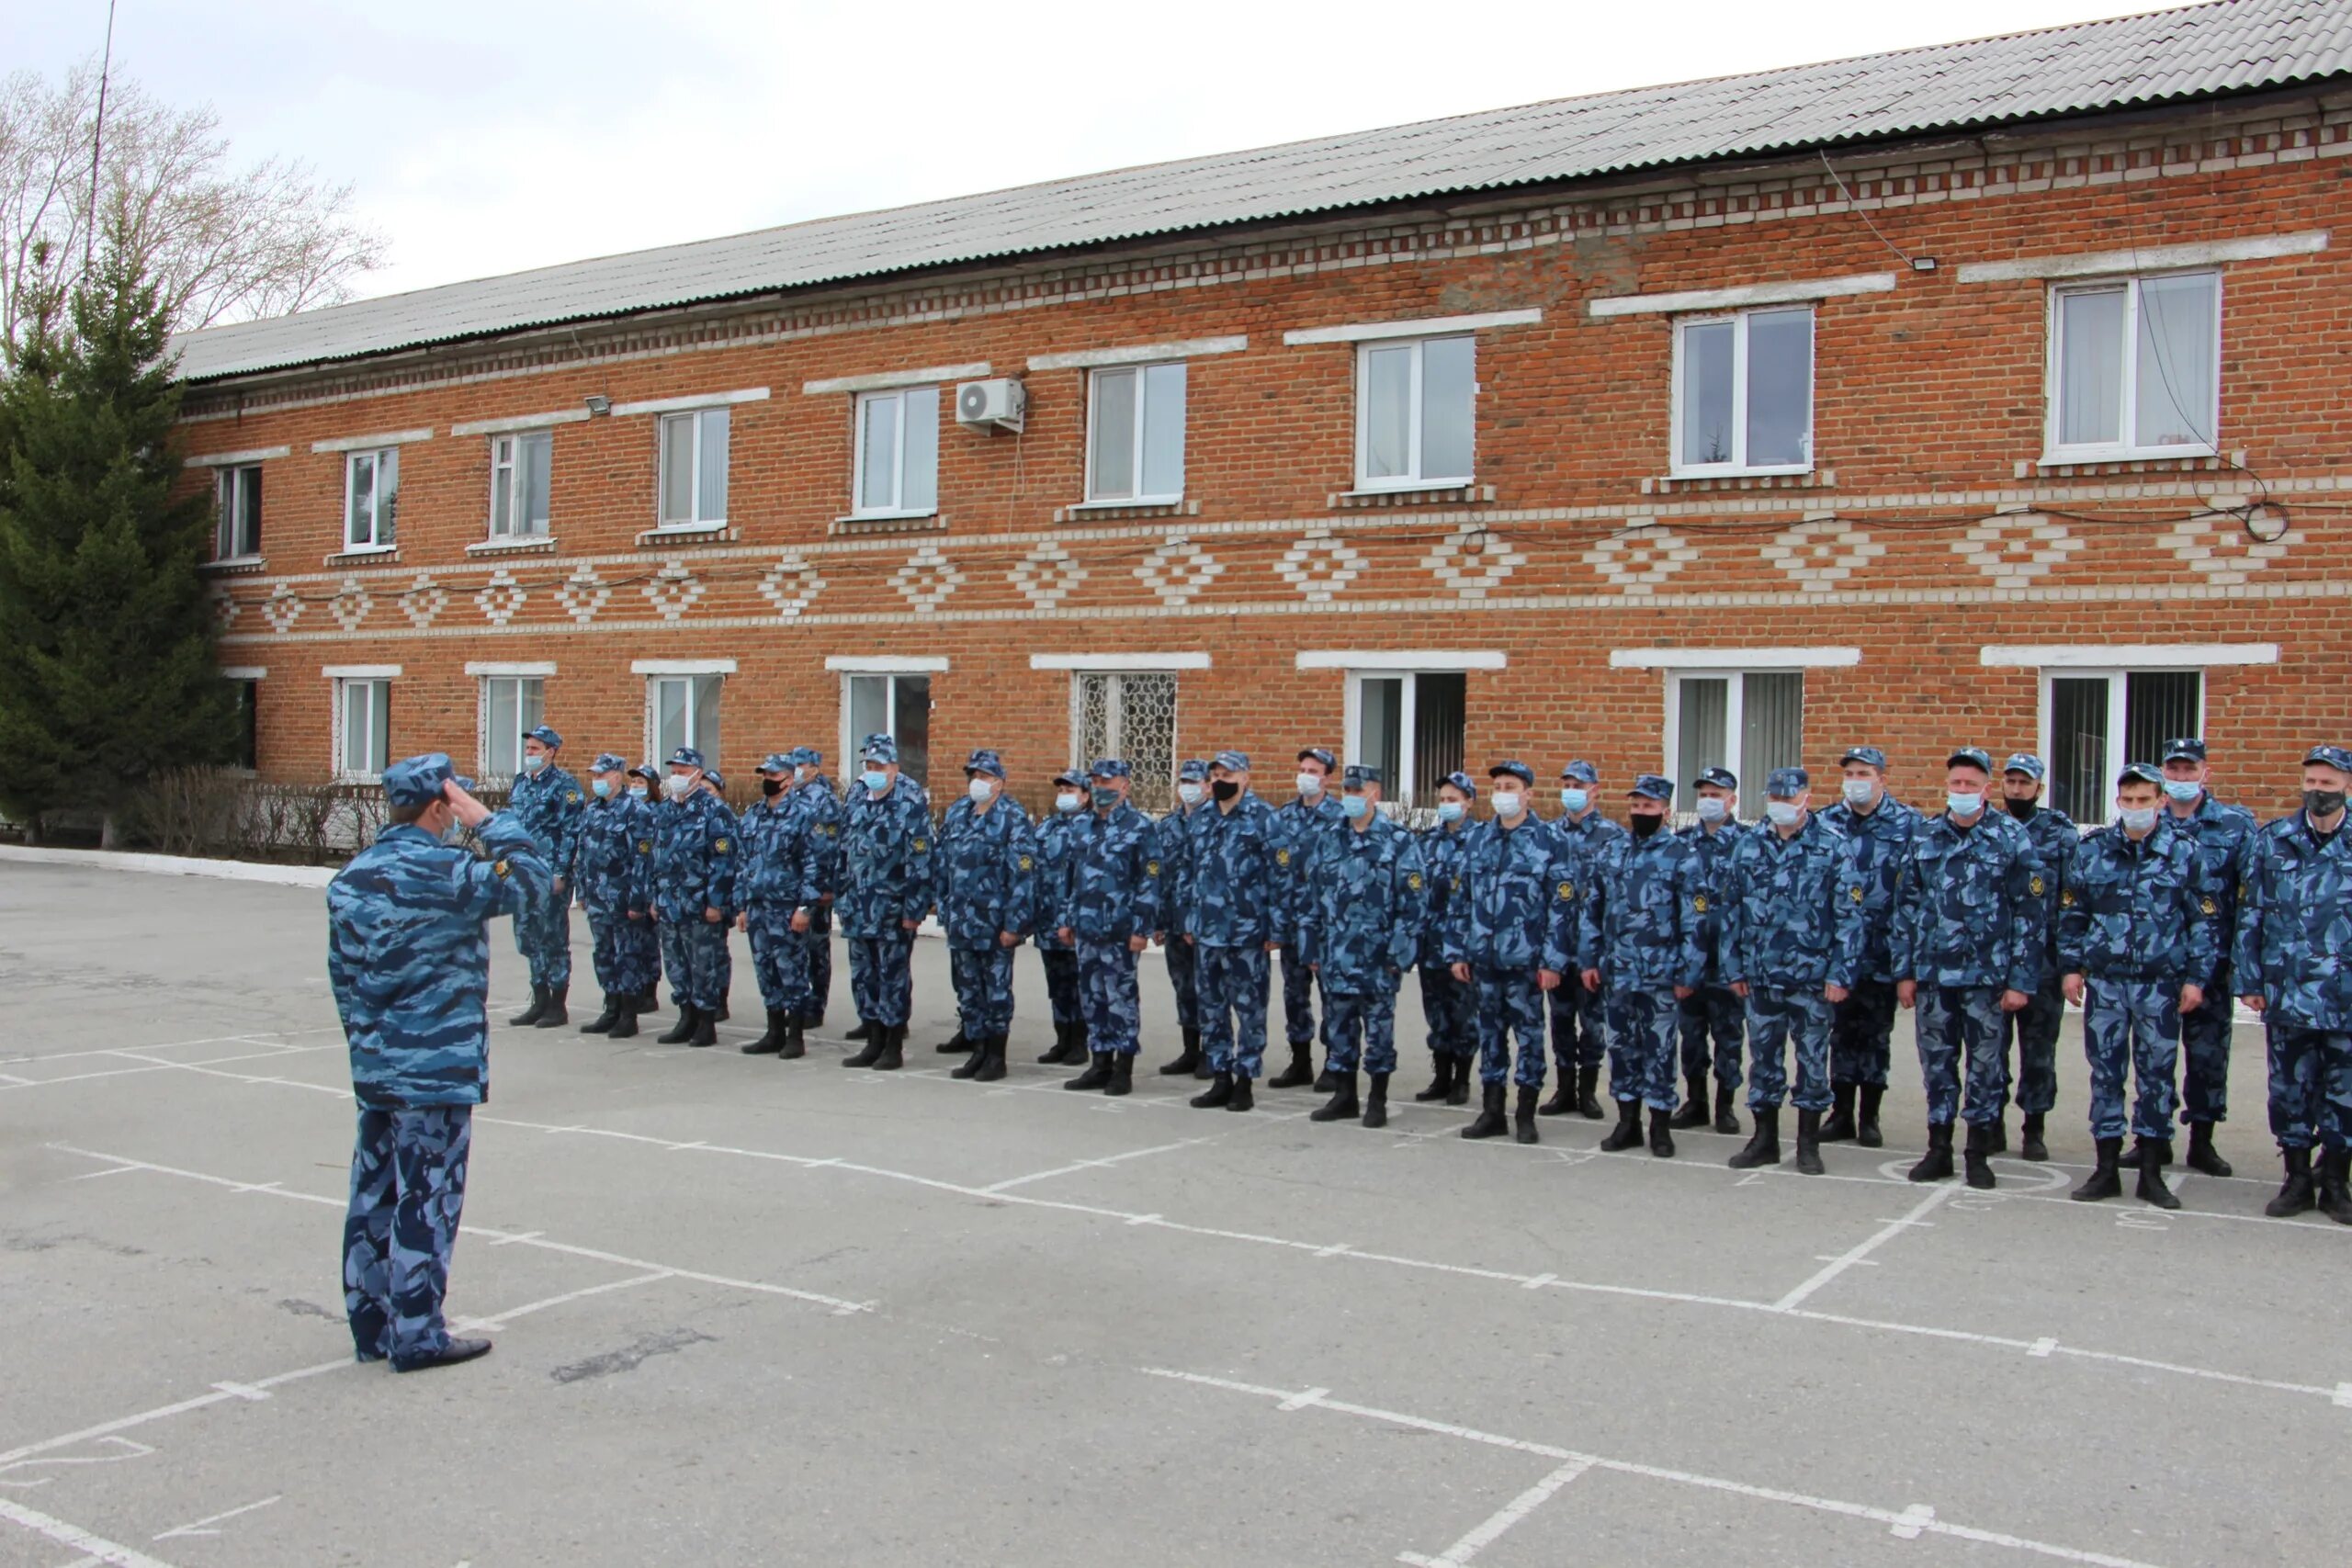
[[502, 134]]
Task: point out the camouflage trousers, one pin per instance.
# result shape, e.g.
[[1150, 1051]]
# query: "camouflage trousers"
[[1450, 1007], [543, 935], [1232, 989], [1106, 989], [1780, 1019], [2033, 1029], [983, 981], [694, 955], [1957, 1024], [1580, 1025], [2311, 1085], [1061, 984], [1861, 1034], [819, 941], [881, 977], [1711, 1011], [1299, 988], [1183, 979], [779, 957], [1362, 1027], [1641, 1028], [2133, 1024], [627, 954], [408, 1187], [2205, 1044], [1509, 1004]]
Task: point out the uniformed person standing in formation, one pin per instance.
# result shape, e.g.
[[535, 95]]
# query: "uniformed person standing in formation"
[[1638, 947], [614, 870], [1878, 830], [2138, 940], [2224, 836], [694, 889], [1072, 800], [1109, 905], [1967, 947], [1505, 936], [1237, 910], [818, 813], [885, 890], [1711, 1013], [1175, 851], [1360, 930], [985, 872], [714, 784], [2033, 1029], [777, 894], [1303, 823], [549, 802], [1449, 1007], [1781, 944], [2294, 929], [1579, 1018], [408, 956]]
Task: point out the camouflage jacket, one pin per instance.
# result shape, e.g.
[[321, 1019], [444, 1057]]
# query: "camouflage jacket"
[[2294, 926], [1785, 906], [885, 859], [780, 859], [1876, 846], [1637, 918], [1442, 852], [693, 857], [1968, 906], [1110, 890], [1502, 910], [1239, 876], [986, 872], [1714, 851], [549, 803], [2139, 911], [614, 863], [1361, 920]]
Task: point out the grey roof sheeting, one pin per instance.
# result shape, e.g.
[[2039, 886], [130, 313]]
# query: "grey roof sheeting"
[[2201, 51]]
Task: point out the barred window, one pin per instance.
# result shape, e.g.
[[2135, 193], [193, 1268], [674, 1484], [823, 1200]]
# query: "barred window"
[[1130, 715]]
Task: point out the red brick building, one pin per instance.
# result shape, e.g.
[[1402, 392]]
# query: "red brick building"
[[1991, 393]]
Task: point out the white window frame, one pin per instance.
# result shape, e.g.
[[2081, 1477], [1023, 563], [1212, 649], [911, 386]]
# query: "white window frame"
[[1415, 478], [379, 690], [381, 460], [2124, 449], [654, 680], [230, 483], [2118, 678], [694, 523], [482, 735], [1735, 679], [857, 507], [878, 670], [1396, 794], [1140, 373], [506, 473], [1737, 466]]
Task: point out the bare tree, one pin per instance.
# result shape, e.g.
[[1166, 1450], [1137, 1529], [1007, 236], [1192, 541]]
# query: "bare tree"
[[222, 242]]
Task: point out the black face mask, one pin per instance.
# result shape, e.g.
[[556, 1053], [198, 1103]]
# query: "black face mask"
[[771, 786], [2023, 810], [2322, 801], [1226, 789], [1643, 826]]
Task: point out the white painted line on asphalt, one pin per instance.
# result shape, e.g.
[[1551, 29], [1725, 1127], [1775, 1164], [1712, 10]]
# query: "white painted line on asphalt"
[[1856, 1253], [2344, 1394], [1536, 1282], [1924, 1520], [1336, 1249], [94, 1548], [243, 1391], [1509, 1514], [1098, 1164], [519, 1236], [2041, 1347], [501, 1319], [201, 1527], [1303, 1398], [13, 1081], [1915, 1520]]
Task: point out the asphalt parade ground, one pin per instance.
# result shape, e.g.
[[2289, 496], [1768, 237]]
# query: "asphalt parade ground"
[[755, 1311]]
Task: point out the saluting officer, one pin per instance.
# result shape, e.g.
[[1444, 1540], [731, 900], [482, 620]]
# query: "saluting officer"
[[1175, 850], [818, 813], [693, 888], [2034, 1028], [1109, 904], [615, 861], [1711, 1012], [1072, 800], [1638, 947], [1449, 1007], [1241, 887], [885, 890], [1579, 1018], [2223, 834], [2136, 948], [549, 802], [1509, 932], [1877, 829], [986, 871], [1304, 822], [2294, 928], [1361, 928], [776, 898]]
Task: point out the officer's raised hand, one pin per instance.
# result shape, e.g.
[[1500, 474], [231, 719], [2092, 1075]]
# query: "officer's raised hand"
[[469, 812]]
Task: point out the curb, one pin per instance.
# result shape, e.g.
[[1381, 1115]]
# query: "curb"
[[172, 865]]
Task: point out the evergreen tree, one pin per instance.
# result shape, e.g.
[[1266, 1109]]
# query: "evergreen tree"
[[107, 670]]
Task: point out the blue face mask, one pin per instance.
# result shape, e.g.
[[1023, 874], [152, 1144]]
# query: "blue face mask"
[[537, 763], [1575, 799], [873, 780], [1354, 804], [1859, 791], [1964, 805], [1451, 810], [604, 788], [639, 792], [1065, 801], [2138, 821], [1710, 809], [2184, 791], [1783, 813]]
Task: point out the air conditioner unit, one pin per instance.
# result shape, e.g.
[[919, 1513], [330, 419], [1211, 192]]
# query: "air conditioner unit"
[[997, 404]]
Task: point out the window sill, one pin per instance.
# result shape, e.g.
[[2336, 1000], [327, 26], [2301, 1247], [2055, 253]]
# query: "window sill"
[[891, 523], [540, 544], [1104, 511], [1767, 479], [1421, 495], [691, 532], [2128, 463], [383, 555], [235, 566]]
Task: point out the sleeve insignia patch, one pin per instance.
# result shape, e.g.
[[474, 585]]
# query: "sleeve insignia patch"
[[1567, 889], [645, 846], [2242, 892], [1151, 868], [1699, 902], [1028, 864], [1282, 857], [1413, 881], [573, 798], [2066, 898], [1855, 894], [720, 846], [502, 869], [923, 846], [2210, 906], [2037, 887]]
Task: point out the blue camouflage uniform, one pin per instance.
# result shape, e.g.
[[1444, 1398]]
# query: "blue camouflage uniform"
[[1054, 830], [1785, 911], [1304, 828], [2223, 834], [1502, 921], [408, 958], [986, 876], [819, 811], [1449, 1007], [1242, 888], [2293, 949], [1968, 926], [885, 881], [2034, 1028], [1108, 895], [1581, 1018], [1637, 922], [549, 804], [613, 869], [714, 784], [779, 875], [694, 872], [2133, 922], [1175, 849], [1877, 842], [1711, 1013], [1360, 928]]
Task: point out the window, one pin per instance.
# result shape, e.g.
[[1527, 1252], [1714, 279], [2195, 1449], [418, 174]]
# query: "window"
[[694, 468], [510, 704], [371, 495], [362, 728], [893, 704], [520, 468], [1750, 723], [1130, 715], [237, 537], [1743, 394], [683, 710], [2100, 720], [1414, 417], [1135, 449], [1409, 725], [247, 753], [897, 453], [2134, 367]]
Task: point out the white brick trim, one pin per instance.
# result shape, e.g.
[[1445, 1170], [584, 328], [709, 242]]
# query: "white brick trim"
[[232, 459], [1113, 661], [1427, 326], [540, 670], [1409, 658], [1733, 658], [244, 672], [370, 442], [682, 667], [2152, 258], [514, 422], [1139, 353], [693, 400], [2114, 656], [883, 380], [887, 664], [360, 671], [1690, 300]]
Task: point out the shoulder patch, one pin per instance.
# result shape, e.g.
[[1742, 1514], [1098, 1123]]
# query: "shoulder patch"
[[1151, 868], [720, 846], [2066, 898], [2242, 888], [1282, 857], [573, 798], [1413, 881], [501, 868], [1699, 902], [2037, 887], [2210, 906], [645, 846], [923, 846], [1028, 864], [1567, 889], [1855, 894]]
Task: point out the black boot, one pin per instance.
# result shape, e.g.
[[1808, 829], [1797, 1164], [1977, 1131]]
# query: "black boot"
[[2335, 1186], [1866, 1130], [2104, 1181], [1588, 1100], [1097, 1074], [2202, 1155], [2152, 1188], [873, 1034], [603, 1022], [791, 1042], [865, 1030], [1726, 1121], [1764, 1143], [1441, 1080], [530, 1015], [706, 1030], [1936, 1164], [958, 1043], [1187, 1059], [1460, 1094], [1523, 1121], [1627, 1134], [553, 1015], [1977, 1158], [1220, 1090], [1661, 1135], [1328, 1080], [722, 1012], [1244, 1097], [1997, 1132], [624, 1022], [449, 1355], [767, 1044], [1840, 1125], [1693, 1110], [1488, 1123], [681, 1030], [1562, 1099], [973, 1062], [2030, 1141], [894, 1049], [1122, 1073], [1376, 1104], [1069, 1045], [1809, 1144], [1343, 1104], [2140, 1146], [1301, 1071], [992, 1067], [2295, 1196]]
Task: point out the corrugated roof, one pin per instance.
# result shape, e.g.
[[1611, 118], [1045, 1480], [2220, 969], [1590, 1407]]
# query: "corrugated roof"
[[2201, 51]]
